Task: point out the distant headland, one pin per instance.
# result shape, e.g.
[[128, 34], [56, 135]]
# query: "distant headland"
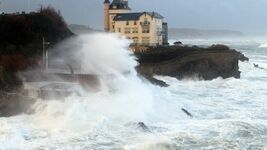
[[190, 33]]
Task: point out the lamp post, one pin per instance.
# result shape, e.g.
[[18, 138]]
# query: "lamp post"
[[45, 54]]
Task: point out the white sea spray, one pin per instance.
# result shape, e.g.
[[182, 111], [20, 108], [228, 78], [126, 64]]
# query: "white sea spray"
[[227, 114]]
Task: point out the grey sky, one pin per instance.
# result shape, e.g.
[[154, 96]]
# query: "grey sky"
[[243, 15]]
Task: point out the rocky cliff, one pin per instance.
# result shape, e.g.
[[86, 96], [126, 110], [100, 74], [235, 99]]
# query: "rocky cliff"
[[186, 62]]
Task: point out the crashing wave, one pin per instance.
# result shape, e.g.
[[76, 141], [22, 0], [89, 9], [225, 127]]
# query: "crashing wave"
[[263, 45]]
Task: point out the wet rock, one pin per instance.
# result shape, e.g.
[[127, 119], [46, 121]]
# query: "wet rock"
[[143, 127], [183, 62], [187, 112], [13, 104], [257, 66], [242, 57], [156, 81]]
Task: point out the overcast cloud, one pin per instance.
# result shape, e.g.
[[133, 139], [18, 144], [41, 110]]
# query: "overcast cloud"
[[242, 15]]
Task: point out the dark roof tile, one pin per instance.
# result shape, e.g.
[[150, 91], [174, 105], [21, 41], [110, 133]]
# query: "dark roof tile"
[[119, 4], [135, 16]]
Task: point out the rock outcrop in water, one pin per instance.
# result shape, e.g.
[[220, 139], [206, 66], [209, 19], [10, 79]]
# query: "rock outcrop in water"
[[187, 62]]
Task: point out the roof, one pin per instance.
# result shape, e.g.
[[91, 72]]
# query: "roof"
[[154, 15], [106, 2], [164, 23], [119, 4], [135, 16], [127, 16]]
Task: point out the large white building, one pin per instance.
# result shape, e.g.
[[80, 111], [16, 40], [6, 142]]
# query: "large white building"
[[143, 28]]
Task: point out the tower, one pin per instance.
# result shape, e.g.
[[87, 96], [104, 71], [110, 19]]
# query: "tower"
[[120, 4], [106, 16]]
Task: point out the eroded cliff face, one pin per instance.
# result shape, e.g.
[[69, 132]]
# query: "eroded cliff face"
[[205, 64]]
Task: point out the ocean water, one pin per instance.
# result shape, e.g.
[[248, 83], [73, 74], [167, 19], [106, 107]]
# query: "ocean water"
[[229, 114]]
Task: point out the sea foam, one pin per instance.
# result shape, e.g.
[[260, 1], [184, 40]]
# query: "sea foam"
[[263, 45]]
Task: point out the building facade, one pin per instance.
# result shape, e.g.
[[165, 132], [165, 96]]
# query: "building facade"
[[143, 28]]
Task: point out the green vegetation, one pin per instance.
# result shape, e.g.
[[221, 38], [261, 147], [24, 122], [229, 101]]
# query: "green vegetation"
[[21, 40], [23, 33]]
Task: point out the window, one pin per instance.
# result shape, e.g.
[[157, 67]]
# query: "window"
[[145, 30], [135, 30], [159, 31], [127, 30], [145, 40], [135, 23], [135, 40], [127, 23], [146, 22], [119, 29]]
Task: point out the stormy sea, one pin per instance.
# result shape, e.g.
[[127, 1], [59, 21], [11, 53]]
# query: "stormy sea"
[[127, 112]]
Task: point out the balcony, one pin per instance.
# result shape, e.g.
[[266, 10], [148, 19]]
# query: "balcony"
[[145, 23]]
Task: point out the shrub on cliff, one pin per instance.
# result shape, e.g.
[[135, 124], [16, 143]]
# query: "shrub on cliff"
[[218, 47], [21, 38], [23, 33]]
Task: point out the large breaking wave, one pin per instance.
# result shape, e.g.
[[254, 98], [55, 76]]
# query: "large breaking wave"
[[227, 114]]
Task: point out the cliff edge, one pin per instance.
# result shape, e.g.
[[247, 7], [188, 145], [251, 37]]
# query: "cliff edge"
[[187, 62]]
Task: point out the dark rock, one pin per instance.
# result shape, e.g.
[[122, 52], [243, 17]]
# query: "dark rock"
[[13, 104], [156, 81], [143, 127], [242, 57], [183, 62], [178, 43], [187, 112], [256, 65]]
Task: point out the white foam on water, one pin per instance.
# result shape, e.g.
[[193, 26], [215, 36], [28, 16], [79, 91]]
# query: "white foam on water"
[[123, 98], [227, 114], [263, 45]]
